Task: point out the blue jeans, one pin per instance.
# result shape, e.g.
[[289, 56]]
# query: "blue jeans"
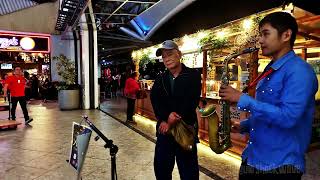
[[166, 152]]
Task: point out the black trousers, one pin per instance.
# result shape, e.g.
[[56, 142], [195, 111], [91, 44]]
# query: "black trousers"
[[166, 152], [130, 108], [286, 172], [23, 104]]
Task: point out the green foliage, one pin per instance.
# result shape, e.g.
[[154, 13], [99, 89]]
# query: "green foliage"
[[214, 42], [145, 59], [66, 70]]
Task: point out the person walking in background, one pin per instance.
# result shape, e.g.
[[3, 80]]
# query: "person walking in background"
[[35, 87], [28, 85], [1, 85], [122, 82], [3, 82], [130, 90], [115, 83], [16, 84]]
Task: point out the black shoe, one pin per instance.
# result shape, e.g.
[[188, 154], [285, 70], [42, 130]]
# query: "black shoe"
[[29, 120]]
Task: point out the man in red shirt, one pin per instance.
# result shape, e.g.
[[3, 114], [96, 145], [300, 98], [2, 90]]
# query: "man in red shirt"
[[16, 85]]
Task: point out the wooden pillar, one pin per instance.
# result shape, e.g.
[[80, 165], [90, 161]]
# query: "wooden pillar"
[[136, 64], [304, 54], [204, 74], [253, 74], [40, 62]]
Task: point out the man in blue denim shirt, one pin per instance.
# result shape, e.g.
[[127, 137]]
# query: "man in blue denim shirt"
[[282, 112]]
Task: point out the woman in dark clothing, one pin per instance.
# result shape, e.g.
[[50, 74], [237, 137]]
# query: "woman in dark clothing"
[[34, 87]]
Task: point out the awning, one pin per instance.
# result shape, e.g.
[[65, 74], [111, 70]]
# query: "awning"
[[10, 6]]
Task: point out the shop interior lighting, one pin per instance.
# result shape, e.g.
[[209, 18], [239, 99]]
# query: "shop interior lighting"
[[247, 24], [221, 34]]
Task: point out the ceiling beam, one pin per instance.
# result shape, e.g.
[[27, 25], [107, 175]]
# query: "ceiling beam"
[[119, 48], [103, 23], [109, 14], [124, 39], [137, 2], [309, 36], [309, 19], [116, 10]]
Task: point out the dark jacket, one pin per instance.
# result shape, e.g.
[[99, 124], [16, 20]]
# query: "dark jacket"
[[184, 99]]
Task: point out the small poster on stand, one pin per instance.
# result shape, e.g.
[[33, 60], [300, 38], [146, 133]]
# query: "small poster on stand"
[[80, 141]]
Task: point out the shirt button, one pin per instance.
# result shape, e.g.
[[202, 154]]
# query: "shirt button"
[[250, 142], [249, 111], [262, 91], [244, 109], [252, 129], [270, 89], [268, 79], [239, 108]]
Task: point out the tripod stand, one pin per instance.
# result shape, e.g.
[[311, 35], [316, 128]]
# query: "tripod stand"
[[109, 144]]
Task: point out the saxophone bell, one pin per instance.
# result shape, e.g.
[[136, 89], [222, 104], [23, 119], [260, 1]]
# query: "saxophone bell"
[[219, 129]]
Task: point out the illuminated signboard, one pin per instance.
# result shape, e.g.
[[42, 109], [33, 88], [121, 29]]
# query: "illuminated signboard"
[[24, 42], [6, 66]]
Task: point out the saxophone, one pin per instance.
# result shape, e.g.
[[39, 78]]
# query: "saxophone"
[[219, 132]]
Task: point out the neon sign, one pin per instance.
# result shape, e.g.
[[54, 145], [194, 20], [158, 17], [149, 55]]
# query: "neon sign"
[[27, 43], [6, 42], [24, 42]]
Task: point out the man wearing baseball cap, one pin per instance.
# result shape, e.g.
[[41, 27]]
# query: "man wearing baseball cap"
[[175, 96]]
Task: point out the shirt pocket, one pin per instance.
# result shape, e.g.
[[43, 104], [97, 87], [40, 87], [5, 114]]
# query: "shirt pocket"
[[274, 89]]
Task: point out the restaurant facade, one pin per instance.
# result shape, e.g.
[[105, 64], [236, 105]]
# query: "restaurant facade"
[[30, 51], [206, 51]]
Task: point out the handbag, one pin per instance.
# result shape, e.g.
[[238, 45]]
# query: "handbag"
[[141, 94], [184, 135]]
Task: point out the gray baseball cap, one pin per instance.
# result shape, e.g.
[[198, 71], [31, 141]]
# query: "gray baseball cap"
[[167, 44]]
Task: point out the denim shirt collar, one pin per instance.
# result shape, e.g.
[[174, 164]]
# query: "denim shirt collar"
[[278, 63]]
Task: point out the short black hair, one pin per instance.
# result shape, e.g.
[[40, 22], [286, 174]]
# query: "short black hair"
[[281, 21], [17, 67], [133, 75]]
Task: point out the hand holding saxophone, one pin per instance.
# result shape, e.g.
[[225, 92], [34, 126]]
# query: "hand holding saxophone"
[[235, 126], [228, 93]]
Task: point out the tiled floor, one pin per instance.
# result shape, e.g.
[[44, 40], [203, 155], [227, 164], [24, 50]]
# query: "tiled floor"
[[222, 166], [40, 151]]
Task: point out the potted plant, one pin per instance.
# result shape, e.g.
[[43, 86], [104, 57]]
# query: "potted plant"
[[68, 95]]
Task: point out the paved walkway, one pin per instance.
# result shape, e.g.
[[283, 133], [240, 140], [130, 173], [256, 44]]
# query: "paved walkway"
[[40, 151]]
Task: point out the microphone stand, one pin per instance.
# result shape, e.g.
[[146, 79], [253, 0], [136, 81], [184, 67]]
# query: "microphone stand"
[[109, 144]]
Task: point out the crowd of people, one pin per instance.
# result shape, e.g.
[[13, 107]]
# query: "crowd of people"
[[113, 80], [42, 89], [36, 88]]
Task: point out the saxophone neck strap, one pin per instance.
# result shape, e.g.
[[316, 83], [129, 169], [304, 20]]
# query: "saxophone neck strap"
[[259, 78]]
